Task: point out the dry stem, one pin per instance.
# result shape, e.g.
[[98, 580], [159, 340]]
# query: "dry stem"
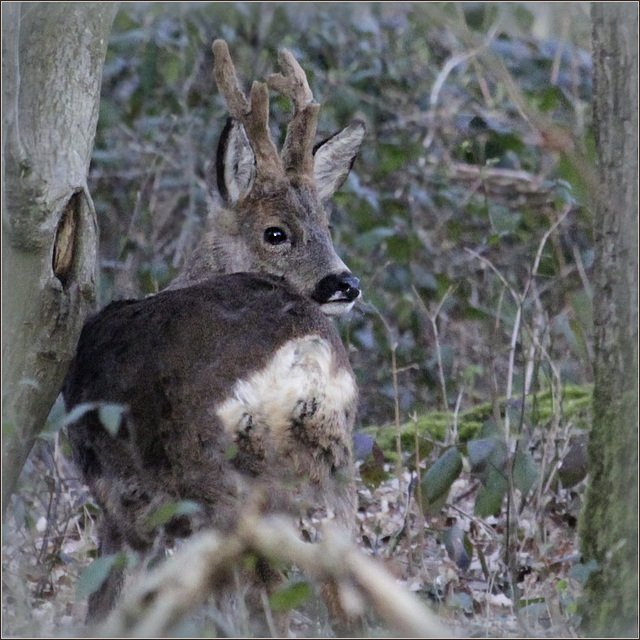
[[163, 597]]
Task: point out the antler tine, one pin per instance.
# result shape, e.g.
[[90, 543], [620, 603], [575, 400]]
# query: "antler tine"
[[297, 152], [252, 113]]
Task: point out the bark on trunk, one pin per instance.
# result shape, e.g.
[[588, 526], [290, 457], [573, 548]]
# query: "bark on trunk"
[[609, 524], [52, 59]]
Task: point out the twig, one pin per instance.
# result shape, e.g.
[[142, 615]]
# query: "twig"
[[433, 318], [421, 520], [452, 63], [557, 58], [394, 372], [478, 521], [456, 411], [396, 407], [510, 369], [520, 302], [581, 270], [267, 613], [490, 264]]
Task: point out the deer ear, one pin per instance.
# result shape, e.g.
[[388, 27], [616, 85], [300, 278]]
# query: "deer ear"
[[333, 158], [235, 163]]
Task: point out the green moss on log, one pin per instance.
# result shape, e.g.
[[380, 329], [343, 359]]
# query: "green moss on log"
[[539, 409]]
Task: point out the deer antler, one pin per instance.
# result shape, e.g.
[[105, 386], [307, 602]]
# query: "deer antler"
[[297, 152], [252, 113]]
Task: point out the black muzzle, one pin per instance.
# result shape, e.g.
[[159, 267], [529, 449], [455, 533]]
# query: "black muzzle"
[[341, 287]]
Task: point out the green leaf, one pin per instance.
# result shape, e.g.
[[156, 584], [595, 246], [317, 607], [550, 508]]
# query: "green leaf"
[[486, 453], [479, 452], [462, 601], [392, 157], [491, 494], [93, 577], [8, 429], [458, 546], [525, 471], [166, 512], [433, 508], [549, 98], [110, 415], [171, 70], [149, 69], [503, 220], [290, 596], [524, 18], [491, 429], [537, 611], [493, 240], [575, 464], [439, 478], [581, 572]]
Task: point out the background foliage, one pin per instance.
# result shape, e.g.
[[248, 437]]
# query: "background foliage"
[[451, 163]]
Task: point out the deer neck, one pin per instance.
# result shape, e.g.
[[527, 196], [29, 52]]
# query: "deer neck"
[[211, 258]]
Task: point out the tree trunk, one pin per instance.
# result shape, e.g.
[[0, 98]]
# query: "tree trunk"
[[609, 524], [52, 59]]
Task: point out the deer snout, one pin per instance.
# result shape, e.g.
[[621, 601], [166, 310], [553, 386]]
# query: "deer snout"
[[350, 286], [336, 293]]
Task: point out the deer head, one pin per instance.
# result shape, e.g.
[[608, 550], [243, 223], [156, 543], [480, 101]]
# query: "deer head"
[[273, 219]]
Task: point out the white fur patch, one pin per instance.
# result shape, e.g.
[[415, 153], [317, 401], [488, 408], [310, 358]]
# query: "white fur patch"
[[301, 371], [337, 308]]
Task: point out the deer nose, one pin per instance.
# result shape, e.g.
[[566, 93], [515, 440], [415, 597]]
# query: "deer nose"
[[349, 285], [342, 287]]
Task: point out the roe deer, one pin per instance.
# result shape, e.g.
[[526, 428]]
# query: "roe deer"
[[234, 376]]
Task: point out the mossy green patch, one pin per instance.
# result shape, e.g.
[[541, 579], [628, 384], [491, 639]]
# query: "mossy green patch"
[[538, 411]]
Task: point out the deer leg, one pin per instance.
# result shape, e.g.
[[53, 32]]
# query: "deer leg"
[[102, 601]]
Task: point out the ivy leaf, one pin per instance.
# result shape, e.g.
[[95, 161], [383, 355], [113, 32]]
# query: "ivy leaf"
[[439, 478], [486, 453], [93, 577], [525, 471], [290, 596], [166, 512], [491, 494], [110, 415], [458, 546]]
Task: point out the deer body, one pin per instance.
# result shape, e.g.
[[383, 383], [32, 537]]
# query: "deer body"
[[215, 408], [233, 378]]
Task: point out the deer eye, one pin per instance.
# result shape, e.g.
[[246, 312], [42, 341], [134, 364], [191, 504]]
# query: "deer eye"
[[275, 235]]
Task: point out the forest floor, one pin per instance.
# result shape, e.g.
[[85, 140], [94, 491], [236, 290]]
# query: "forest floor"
[[453, 561]]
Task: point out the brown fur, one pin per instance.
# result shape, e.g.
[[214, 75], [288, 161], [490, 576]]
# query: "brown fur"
[[233, 379]]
